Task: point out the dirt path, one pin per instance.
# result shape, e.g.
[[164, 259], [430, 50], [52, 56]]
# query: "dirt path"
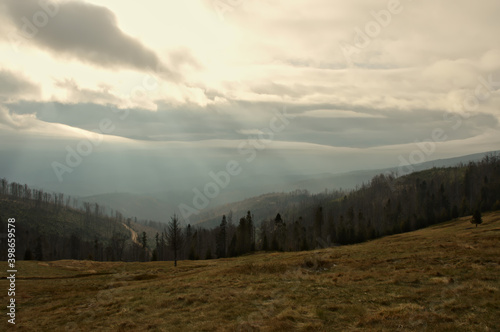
[[133, 235]]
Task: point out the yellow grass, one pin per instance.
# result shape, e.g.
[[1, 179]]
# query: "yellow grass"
[[444, 278]]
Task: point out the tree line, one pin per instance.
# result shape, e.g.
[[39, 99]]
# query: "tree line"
[[51, 226], [387, 205]]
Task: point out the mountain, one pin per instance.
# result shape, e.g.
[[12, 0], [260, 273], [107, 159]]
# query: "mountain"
[[268, 205], [48, 231], [350, 180], [135, 205], [244, 191], [387, 205]]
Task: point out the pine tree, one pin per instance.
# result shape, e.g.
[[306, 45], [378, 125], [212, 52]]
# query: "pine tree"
[[251, 231], [38, 253], [208, 254], [144, 242], [243, 241], [221, 238], [477, 218], [233, 252], [279, 234], [318, 223], [28, 255], [265, 244]]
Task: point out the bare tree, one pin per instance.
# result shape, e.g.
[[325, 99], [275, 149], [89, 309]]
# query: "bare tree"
[[175, 239]]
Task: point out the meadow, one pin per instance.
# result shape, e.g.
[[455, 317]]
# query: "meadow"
[[442, 278]]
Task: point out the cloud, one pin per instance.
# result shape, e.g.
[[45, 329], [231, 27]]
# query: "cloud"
[[14, 86], [239, 72], [356, 128], [250, 132], [326, 113], [81, 31], [27, 124], [105, 95], [76, 94]]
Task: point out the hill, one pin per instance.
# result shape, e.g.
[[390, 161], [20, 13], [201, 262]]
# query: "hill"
[[50, 229], [384, 205], [442, 278], [262, 207], [267, 206], [47, 229], [245, 189]]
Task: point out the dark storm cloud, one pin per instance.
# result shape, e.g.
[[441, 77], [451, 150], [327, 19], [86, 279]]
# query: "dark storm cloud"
[[83, 31]]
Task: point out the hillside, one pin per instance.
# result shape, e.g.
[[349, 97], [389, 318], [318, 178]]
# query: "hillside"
[[49, 228], [442, 278], [129, 204], [297, 202], [46, 230], [349, 180], [262, 207], [240, 196]]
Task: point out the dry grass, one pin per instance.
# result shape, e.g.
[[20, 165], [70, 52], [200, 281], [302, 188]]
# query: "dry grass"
[[444, 278]]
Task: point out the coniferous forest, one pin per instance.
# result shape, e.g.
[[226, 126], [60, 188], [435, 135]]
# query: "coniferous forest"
[[58, 227]]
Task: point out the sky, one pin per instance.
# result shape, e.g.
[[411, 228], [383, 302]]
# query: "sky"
[[115, 96]]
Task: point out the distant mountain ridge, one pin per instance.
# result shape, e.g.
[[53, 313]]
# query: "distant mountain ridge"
[[350, 180], [265, 207], [160, 206]]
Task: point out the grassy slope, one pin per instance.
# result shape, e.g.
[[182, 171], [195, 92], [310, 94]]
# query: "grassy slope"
[[444, 278]]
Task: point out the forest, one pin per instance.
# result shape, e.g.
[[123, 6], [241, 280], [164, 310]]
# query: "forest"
[[52, 226]]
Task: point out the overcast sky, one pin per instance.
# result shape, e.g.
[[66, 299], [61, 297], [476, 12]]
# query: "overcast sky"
[[357, 84]]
